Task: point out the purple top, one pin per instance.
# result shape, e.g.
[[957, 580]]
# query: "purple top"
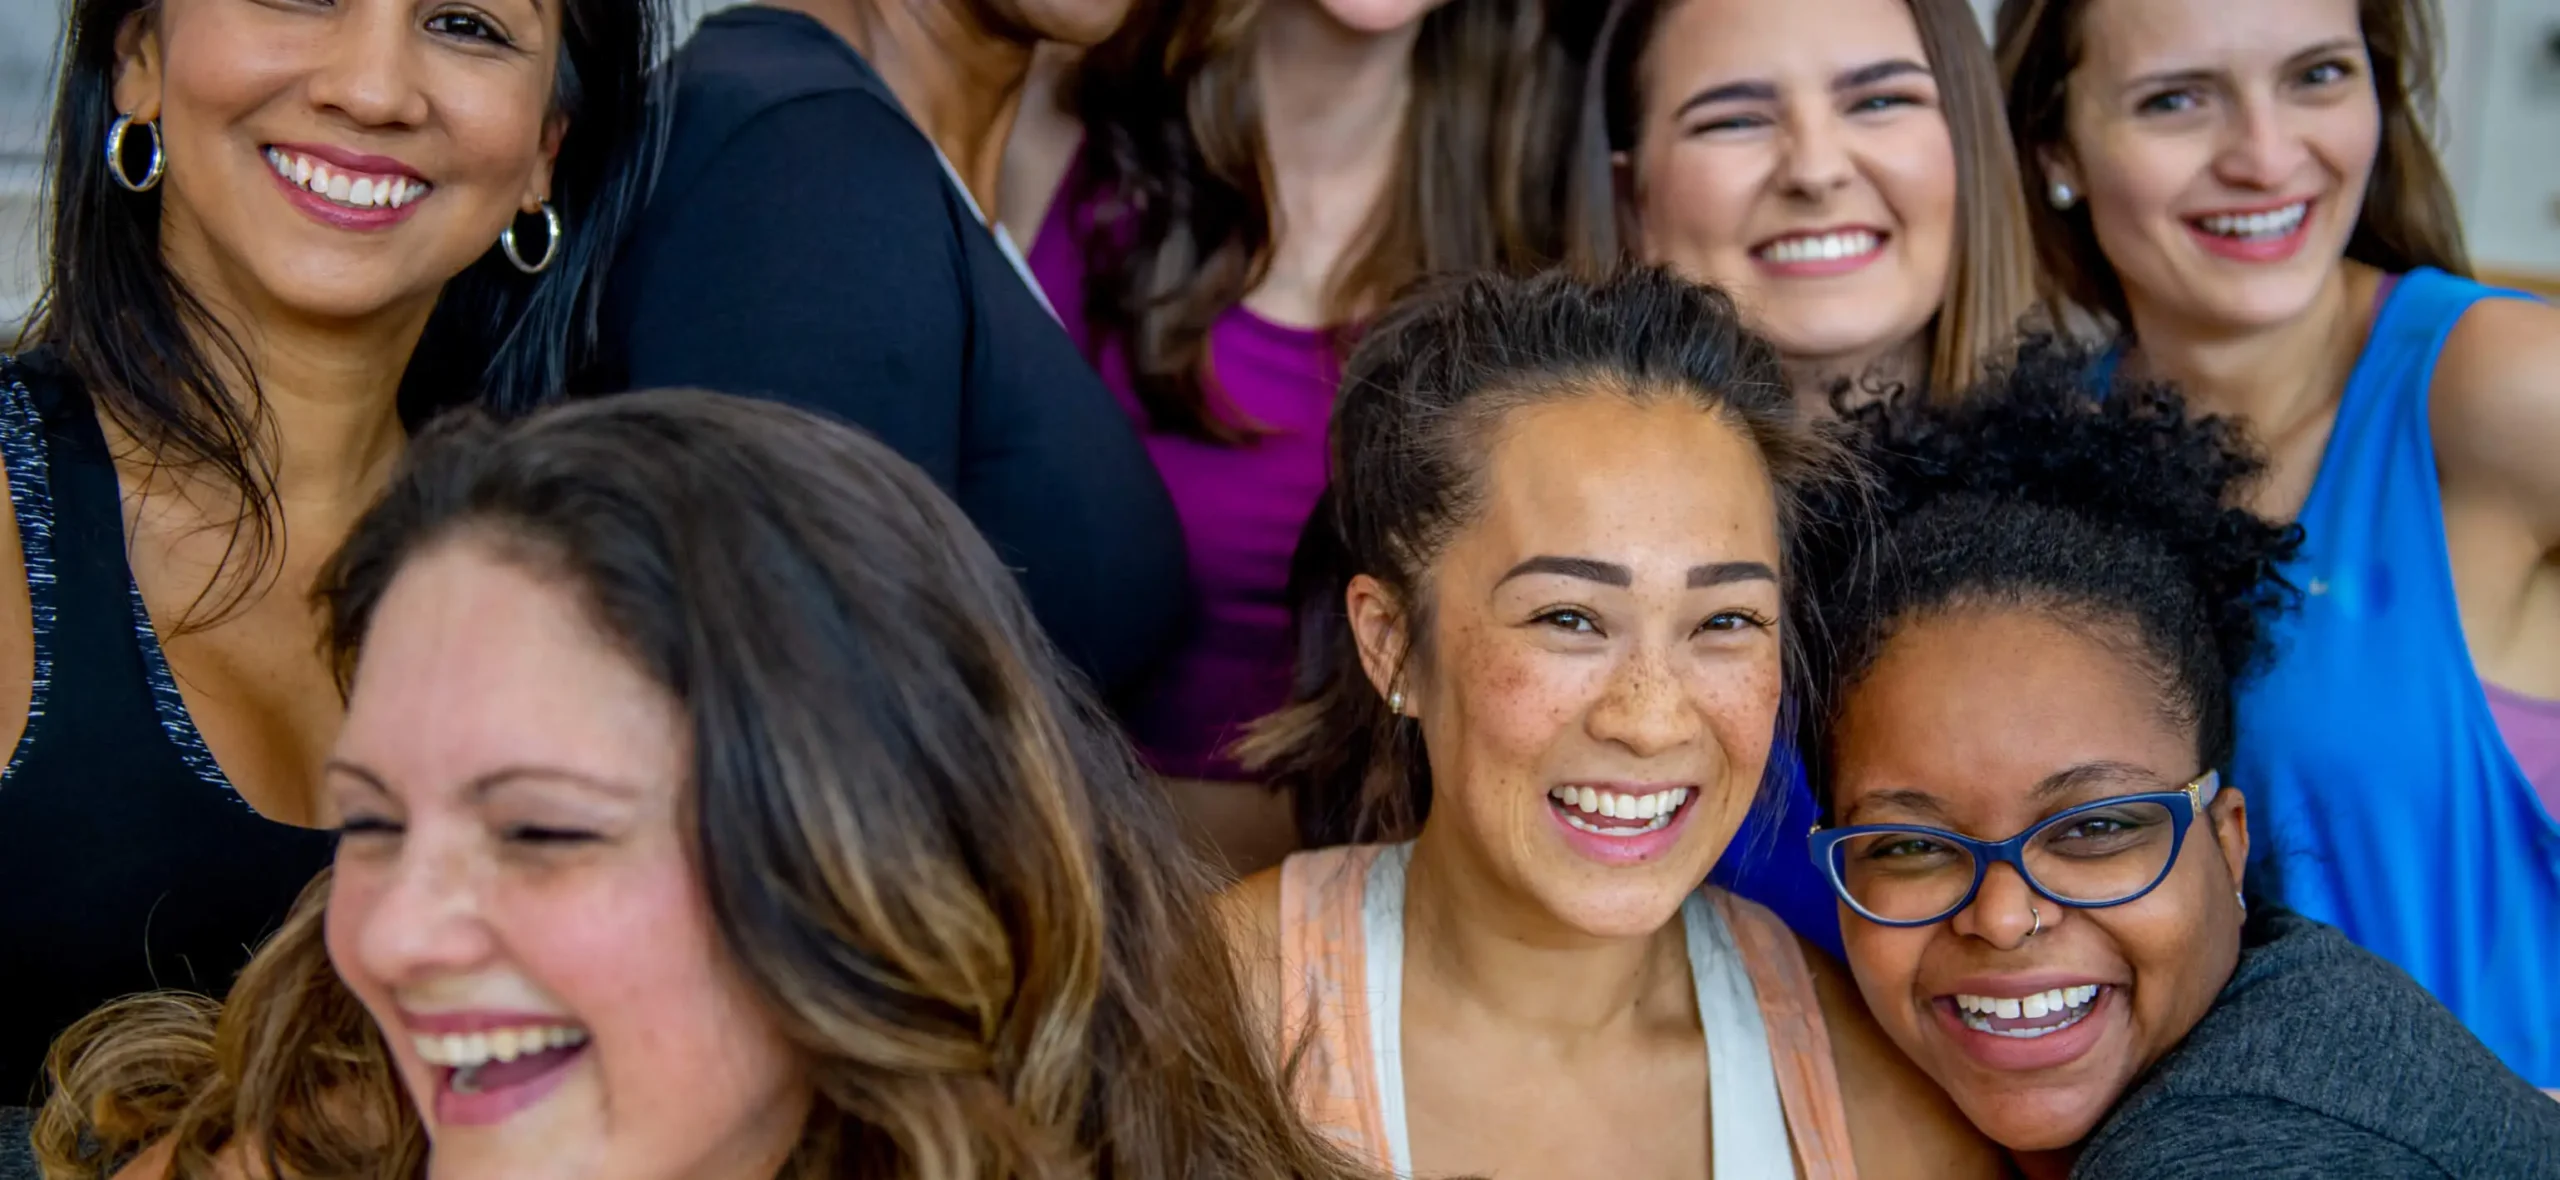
[[2531, 726], [1242, 508]]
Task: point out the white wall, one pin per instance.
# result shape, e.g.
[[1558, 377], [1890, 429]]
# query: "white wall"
[[30, 38]]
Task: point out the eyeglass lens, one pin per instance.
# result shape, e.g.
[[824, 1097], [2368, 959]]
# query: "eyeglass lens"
[[2094, 857]]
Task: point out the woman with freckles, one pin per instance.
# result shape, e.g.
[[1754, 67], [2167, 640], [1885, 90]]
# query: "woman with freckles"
[[714, 809], [1842, 169], [2034, 827], [281, 233], [1553, 677], [2248, 191]]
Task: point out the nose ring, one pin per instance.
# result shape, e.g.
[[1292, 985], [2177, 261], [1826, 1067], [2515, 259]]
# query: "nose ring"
[[2038, 928]]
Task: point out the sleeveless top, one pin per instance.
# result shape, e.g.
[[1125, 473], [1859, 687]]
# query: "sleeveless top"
[[1770, 1077], [127, 861], [2384, 799]]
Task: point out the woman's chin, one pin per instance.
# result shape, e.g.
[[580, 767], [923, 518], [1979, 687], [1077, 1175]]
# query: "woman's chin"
[[2037, 1119]]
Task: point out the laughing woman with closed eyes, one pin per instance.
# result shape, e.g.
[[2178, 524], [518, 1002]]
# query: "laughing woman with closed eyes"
[[262, 208]]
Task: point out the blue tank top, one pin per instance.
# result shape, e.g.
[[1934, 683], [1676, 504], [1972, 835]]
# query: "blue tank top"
[[2382, 797]]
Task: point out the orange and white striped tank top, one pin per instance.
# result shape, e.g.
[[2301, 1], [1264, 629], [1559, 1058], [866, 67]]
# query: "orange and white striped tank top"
[[1776, 1100]]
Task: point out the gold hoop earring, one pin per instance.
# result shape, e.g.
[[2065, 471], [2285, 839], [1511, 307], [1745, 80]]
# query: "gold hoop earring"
[[550, 243], [115, 155]]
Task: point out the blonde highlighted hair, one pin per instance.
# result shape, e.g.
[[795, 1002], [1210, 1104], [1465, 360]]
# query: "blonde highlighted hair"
[[926, 848]]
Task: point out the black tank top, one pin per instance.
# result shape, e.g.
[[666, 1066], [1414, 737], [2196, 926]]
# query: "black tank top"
[[127, 861]]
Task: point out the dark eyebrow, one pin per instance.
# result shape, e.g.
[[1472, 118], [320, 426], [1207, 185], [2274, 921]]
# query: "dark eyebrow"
[[1874, 72], [2090, 774], [1763, 90], [1753, 90], [1704, 576], [1903, 799], [1585, 568], [2060, 782]]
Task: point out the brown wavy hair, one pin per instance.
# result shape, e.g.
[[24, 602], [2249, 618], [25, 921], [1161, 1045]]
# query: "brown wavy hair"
[[2409, 218], [1991, 288], [1175, 166], [1424, 395], [929, 852]]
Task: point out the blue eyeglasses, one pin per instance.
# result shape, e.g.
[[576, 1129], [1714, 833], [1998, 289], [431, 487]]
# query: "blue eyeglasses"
[[2098, 854]]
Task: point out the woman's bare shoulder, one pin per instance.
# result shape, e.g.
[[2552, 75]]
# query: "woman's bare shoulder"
[[2495, 407], [1900, 1123], [1249, 914]]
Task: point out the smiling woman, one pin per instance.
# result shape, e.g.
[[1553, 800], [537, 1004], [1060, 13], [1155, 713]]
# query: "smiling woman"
[[2250, 192], [1841, 166], [715, 809], [1547, 660], [2041, 622], [263, 212]]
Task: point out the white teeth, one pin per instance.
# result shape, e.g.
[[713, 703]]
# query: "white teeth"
[[1656, 808], [345, 188], [472, 1050], [2274, 223], [2072, 1003], [1823, 247]]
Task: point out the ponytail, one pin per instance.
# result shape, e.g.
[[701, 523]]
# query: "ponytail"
[[1353, 769]]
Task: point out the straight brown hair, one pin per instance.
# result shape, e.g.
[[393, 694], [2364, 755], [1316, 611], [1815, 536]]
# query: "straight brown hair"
[[2409, 218], [1991, 288], [1176, 169]]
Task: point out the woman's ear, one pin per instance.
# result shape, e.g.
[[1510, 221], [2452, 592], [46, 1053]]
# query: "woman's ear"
[[2229, 815], [554, 129], [1378, 626], [2059, 168], [138, 70]]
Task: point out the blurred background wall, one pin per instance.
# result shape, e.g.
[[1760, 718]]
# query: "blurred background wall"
[[2500, 131]]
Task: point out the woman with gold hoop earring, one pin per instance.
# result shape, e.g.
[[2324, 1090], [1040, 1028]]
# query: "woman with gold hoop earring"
[[265, 268]]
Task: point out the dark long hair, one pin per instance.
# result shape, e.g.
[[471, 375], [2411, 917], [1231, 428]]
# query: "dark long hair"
[[923, 843], [1424, 393], [2409, 219], [1992, 285], [1175, 168], [154, 357]]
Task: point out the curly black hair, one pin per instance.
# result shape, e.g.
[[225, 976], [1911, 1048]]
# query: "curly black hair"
[[2056, 486]]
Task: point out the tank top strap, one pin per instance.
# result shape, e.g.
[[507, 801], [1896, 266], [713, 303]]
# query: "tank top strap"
[[1325, 998], [1799, 1042], [2378, 473]]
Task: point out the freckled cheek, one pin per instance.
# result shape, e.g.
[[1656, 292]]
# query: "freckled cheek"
[[1740, 704], [1514, 704]]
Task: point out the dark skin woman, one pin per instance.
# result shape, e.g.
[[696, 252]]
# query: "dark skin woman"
[[2025, 755]]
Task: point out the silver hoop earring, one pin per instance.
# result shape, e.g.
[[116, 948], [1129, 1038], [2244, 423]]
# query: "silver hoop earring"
[[2039, 926], [115, 155], [2063, 195], [550, 244], [1395, 702], [2243, 899]]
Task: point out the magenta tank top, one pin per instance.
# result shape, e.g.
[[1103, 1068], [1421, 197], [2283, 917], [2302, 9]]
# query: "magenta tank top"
[[1242, 508]]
